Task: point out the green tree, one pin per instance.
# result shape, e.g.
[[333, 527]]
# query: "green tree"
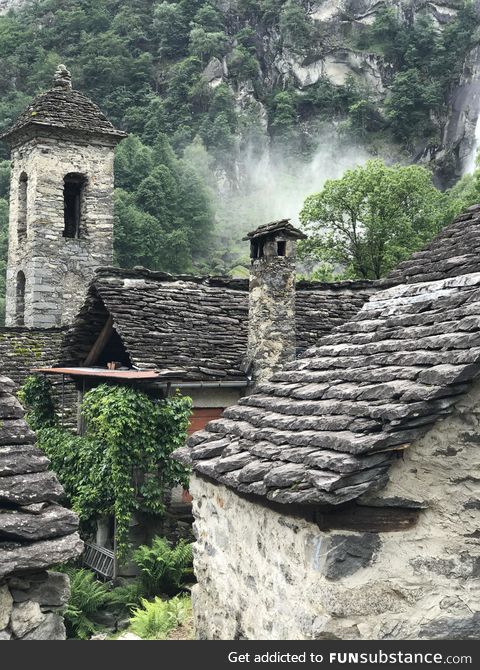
[[209, 18], [409, 104], [365, 223], [171, 29], [206, 45], [283, 114], [165, 221], [133, 162], [295, 26]]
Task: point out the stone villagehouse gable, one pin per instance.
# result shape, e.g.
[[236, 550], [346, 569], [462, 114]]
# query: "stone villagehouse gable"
[[326, 428], [349, 475]]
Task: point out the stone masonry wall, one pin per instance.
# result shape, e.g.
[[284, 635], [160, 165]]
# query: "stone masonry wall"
[[31, 606], [58, 269], [22, 349], [265, 575]]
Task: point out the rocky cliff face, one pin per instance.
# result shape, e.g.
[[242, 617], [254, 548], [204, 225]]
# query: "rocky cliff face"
[[335, 56], [298, 45]]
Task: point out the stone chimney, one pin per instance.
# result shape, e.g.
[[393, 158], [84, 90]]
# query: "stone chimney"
[[271, 323]]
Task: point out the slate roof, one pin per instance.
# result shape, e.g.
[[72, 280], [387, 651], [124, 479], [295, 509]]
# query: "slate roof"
[[66, 109], [195, 328], [36, 532], [455, 251], [325, 429]]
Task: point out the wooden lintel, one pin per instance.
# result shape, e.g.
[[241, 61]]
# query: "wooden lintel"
[[101, 341], [368, 519]]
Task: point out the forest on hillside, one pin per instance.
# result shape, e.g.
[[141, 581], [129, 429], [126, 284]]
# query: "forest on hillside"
[[218, 138]]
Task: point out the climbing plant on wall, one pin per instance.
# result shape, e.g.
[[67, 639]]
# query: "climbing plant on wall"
[[36, 397], [122, 463]]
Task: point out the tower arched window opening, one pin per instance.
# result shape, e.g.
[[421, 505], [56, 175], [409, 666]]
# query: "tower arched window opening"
[[73, 204], [20, 300], [22, 206]]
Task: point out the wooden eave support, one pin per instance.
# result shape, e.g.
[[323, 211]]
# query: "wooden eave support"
[[101, 342]]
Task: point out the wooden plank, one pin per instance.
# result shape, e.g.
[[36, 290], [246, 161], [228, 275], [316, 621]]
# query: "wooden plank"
[[368, 519], [100, 343]]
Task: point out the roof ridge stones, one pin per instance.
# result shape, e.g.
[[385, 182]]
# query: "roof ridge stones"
[[36, 532], [239, 283], [324, 430]]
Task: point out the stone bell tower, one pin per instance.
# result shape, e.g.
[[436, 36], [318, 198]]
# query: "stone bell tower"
[[61, 204], [271, 317]]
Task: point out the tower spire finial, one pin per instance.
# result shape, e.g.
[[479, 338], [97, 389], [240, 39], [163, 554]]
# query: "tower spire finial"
[[63, 78]]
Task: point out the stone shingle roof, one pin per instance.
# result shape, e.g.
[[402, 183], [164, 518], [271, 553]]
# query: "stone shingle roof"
[[36, 532], [325, 429], [67, 109], [455, 251], [275, 228], [195, 328]]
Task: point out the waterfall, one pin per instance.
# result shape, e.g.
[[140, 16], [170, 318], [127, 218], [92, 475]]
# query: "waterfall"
[[470, 163], [461, 139]]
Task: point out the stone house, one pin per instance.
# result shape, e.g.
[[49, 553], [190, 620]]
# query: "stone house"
[[35, 532], [341, 498], [71, 315], [196, 334]]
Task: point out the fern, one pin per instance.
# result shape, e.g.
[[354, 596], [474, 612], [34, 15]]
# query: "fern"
[[154, 620], [88, 595], [126, 597], [163, 569]]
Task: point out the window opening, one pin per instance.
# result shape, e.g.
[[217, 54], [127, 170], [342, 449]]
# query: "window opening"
[[73, 188], [22, 206], [20, 303]]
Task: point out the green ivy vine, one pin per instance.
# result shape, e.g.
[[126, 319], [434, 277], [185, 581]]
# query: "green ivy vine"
[[36, 397], [122, 464]]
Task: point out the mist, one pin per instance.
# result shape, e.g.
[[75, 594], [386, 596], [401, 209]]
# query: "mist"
[[272, 184]]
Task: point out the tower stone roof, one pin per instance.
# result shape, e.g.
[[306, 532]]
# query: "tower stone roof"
[[36, 532], [64, 108], [325, 429]]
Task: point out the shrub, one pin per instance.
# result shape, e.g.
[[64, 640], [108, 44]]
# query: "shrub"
[[164, 569], [154, 620], [126, 433]]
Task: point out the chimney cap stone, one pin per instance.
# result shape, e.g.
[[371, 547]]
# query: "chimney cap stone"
[[282, 227]]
